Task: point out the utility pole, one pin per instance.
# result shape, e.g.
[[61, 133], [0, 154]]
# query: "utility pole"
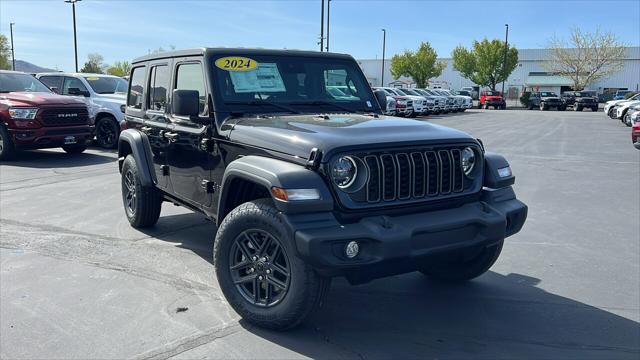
[[322, 26], [328, 11], [13, 55], [504, 60], [384, 41], [75, 37]]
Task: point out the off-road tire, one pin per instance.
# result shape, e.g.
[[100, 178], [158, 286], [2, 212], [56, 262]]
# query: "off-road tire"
[[577, 108], [145, 210], [7, 149], [456, 270], [562, 108], [107, 132], [306, 288], [74, 149]]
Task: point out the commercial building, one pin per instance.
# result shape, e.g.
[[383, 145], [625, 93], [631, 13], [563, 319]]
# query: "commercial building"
[[529, 73]]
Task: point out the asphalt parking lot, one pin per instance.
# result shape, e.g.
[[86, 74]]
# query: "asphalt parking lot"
[[76, 281]]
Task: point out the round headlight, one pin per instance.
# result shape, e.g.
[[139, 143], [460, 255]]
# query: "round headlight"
[[468, 160], [344, 172]]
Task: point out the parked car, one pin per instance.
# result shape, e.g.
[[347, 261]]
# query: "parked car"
[[440, 102], [622, 109], [403, 104], [635, 135], [432, 101], [450, 105], [305, 188], [419, 102], [428, 103], [620, 94], [491, 98], [609, 106], [467, 99], [103, 94], [545, 100], [33, 117], [632, 116], [578, 100]]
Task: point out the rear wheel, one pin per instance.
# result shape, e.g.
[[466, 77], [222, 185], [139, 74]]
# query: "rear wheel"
[[142, 204], [462, 267], [107, 132], [7, 149], [74, 149], [259, 272]]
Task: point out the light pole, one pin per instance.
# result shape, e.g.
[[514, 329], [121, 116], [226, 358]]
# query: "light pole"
[[384, 41], [13, 55], [328, 11], [504, 60], [75, 37], [322, 26]]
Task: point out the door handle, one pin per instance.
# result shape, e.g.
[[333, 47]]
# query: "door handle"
[[171, 136]]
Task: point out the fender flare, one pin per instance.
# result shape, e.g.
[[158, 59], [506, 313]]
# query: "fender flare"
[[268, 172], [136, 143]]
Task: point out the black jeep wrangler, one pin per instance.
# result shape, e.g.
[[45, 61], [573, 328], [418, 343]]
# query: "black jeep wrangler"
[[545, 100], [304, 185], [580, 100]]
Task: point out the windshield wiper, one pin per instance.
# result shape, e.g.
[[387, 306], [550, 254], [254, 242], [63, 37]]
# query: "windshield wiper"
[[322, 102], [260, 103]]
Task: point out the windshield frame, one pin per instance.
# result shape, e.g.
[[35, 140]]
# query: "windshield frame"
[[42, 89], [219, 82]]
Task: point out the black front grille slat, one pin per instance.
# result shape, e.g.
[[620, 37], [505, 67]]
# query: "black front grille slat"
[[413, 175], [64, 116]]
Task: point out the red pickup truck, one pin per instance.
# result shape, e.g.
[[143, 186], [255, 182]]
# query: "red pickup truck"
[[33, 117]]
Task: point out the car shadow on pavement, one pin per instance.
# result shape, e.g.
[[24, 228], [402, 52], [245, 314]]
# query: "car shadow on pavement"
[[43, 159], [494, 316]]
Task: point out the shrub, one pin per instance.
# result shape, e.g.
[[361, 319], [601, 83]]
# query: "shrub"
[[524, 99]]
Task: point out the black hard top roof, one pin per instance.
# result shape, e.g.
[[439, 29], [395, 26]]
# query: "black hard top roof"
[[238, 51]]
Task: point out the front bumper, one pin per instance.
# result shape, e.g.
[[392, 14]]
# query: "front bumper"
[[400, 244], [51, 137]]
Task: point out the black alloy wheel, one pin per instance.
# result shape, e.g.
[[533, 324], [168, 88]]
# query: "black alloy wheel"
[[107, 132], [259, 268], [130, 193]]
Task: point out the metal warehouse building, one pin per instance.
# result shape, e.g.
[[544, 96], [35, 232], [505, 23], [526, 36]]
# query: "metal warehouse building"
[[528, 73]]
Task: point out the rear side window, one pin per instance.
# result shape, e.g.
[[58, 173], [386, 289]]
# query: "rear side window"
[[158, 87], [190, 77], [52, 82], [134, 99]]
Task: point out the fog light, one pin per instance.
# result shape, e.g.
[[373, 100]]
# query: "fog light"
[[352, 249]]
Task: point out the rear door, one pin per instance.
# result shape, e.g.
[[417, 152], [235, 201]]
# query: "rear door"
[[190, 164]]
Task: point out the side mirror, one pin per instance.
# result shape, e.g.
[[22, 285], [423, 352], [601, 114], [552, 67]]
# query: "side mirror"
[[185, 102], [78, 92], [381, 96]]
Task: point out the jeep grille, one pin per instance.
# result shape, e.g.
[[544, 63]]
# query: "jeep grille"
[[64, 116]]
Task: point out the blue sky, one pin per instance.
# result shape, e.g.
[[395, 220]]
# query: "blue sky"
[[125, 29]]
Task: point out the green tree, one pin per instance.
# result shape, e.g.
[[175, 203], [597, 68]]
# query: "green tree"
[[5, 53], [586, 58], [119, 68], [484, 63], [94, 64], [421, 65]]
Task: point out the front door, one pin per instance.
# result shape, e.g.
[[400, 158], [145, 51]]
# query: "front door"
[[156, 118], [190, 164]]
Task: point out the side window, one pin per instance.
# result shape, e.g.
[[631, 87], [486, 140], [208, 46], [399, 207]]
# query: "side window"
[[134, 99], [158, 87], [190, 77], [52, 82], [72, 86]]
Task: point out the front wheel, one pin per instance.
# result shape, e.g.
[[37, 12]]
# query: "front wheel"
[[461, 267], [259, 271], [7, 149], [627, 120], [107, 132], [142, 204], [543, 107], [74, 149]]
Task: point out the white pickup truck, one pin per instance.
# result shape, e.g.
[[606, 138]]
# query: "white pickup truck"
[[103, 94]]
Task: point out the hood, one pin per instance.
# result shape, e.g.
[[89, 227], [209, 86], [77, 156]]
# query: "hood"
[[118, 98], [38, 99], [615, 102], [297, 134]]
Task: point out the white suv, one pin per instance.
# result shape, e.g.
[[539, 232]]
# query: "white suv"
[[104, 96]]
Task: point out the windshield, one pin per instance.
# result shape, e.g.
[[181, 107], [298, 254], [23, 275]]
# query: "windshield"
[[493, 93], [584, 94], [17, 82], [547, 94], [266, 83], [107, 84], [464, 92]]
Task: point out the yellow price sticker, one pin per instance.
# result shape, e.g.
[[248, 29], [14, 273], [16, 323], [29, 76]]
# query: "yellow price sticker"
[[236, 63], [93, 78]]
